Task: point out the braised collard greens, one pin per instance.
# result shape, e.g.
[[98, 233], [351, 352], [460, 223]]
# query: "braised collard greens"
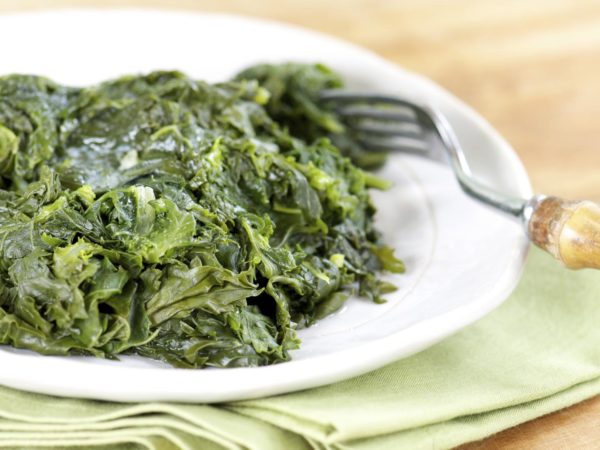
[[192, 223]]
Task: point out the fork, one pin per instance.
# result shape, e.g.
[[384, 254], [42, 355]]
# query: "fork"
[[568, 230]]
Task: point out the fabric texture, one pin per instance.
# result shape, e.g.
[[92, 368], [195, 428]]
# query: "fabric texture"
[[535, 354]]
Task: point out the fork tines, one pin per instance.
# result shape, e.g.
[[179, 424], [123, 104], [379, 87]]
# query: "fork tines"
[[378, 122]]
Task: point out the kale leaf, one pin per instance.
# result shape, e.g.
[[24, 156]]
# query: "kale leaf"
[[196, 224]]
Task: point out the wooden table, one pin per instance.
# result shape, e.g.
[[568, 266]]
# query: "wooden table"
[[531, 67]]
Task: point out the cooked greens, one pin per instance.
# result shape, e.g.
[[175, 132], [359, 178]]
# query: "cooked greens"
[[294, 92], [162, 216]]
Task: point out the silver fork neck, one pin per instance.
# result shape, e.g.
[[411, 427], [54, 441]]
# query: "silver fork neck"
[[513, 206]]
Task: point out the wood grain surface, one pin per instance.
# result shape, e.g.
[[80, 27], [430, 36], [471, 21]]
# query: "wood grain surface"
[[531, 67]]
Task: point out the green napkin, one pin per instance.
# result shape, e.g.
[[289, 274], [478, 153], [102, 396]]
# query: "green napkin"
[[537, 353]]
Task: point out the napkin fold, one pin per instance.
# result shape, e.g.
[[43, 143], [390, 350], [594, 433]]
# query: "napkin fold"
[[535, 354]]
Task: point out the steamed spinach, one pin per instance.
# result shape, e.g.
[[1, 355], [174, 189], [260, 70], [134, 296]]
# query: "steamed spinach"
[[192, 223]]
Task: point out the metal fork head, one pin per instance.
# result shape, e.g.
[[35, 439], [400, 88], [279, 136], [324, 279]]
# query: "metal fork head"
[[383, 123]]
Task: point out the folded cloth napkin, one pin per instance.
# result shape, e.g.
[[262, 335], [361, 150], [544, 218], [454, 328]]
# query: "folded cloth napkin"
[[537, 353]]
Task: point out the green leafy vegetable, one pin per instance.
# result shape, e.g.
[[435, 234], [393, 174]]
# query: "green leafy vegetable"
[[192, 223], [294, 103]]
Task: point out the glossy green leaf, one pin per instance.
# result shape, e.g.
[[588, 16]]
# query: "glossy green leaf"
[[197, 224]]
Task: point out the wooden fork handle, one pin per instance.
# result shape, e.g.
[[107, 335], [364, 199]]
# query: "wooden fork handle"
[[570, 231]]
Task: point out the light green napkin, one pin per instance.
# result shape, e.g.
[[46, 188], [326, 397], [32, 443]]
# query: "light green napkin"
[[537, 353]]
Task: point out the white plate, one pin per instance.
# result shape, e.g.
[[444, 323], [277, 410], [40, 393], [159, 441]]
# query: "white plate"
[[463, 260]]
